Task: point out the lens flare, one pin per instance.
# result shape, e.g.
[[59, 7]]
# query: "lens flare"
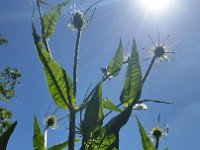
[[155, 4]]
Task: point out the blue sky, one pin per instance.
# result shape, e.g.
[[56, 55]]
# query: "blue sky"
[[176, 80]]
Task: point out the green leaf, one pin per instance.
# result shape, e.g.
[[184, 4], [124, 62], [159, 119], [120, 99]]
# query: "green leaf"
[[93, 113], [62, 145], [115, 65], [58, 81], [110, 132], [38, 138], [59, 146], [6, 135], [166, 148], [50, 18], [107, 104], [133, 80], [146, 142]]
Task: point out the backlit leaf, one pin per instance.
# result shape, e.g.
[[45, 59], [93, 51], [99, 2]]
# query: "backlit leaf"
[[133, 80], [38, 138], [59, 146], [49, 20], [58, 81], [93, 113], [146, 142], [116, 63], [107, 104]]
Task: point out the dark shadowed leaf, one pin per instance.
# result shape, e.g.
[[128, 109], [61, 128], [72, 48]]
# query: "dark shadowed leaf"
[[93, 113], [133, 80], [6, 135], [107, 104], [110, 132], [38, 138], [58, 81], [50, 18], [116, 63], [146, 142]]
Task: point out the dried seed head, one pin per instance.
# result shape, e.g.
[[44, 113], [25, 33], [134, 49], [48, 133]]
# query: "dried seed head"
[[159, 51], [78, 21], [157, 133], [51, 121]]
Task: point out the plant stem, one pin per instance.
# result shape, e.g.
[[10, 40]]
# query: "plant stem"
[[72, 129], [157, 143], [76, 61], [45, 137], [72, 110], [148, 70]]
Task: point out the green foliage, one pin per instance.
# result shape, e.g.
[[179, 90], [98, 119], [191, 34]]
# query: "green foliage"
[[58, 81], [166, 148], [38, 138], [133, 81], [93, 114], [146, 142], [110, 132], [59, 146], [9, 78], [95, 135], [107, 104], [115, 64], [6, 135], [5, 120], [49, 20]]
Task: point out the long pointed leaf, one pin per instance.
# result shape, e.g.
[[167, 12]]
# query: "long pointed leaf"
[[107, 104], [146, 142], [62, 145], [110, 132], [58, 81], [133, 81], [116, 63], [59, 146], [6, 135], [38, 138], [93, 113], [50, 18]]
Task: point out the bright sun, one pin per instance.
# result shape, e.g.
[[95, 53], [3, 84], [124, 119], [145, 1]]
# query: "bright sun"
[[155, 5]]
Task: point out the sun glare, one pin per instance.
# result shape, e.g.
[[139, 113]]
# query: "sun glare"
[[155, 5]]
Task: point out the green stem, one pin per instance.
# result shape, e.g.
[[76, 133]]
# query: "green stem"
[[157, 143], [72, 124], [45, 41], [148, 70], [71, 129], [76, 61]]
